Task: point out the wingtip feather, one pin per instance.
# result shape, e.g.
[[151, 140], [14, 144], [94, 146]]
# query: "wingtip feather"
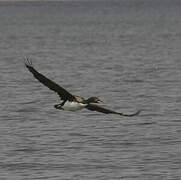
[[28, 62], [130, 115]]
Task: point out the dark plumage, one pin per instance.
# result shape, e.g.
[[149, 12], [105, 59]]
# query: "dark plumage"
[[71, 102], [64, 95], [94, 107]]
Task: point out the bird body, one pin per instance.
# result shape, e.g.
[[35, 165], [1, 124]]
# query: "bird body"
[[73, 106], [71, 102]]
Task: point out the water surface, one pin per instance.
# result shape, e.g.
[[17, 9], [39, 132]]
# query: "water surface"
[[125, 52]]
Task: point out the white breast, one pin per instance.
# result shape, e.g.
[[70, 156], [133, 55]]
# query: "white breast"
[[73, 106]]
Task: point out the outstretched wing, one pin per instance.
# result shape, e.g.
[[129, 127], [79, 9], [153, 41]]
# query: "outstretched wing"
[[93, 107], [64, 95]]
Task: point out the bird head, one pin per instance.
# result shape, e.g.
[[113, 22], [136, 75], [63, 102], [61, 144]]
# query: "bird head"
[[94, 100]]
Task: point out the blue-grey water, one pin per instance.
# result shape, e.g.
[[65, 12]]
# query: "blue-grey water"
[[126, 52]]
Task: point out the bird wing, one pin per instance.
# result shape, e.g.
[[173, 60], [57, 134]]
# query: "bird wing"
[[64, 95], [93, 107]]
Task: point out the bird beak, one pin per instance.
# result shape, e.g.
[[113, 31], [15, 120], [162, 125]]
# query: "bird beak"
[[100, 101]]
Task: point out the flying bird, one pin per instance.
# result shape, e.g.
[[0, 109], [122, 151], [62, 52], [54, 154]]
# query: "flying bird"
[[71, 102]]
